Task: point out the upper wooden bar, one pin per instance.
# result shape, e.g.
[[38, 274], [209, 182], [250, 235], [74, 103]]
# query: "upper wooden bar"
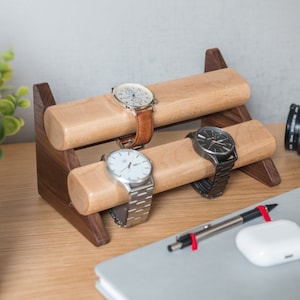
[[96, 119], [91, 188]]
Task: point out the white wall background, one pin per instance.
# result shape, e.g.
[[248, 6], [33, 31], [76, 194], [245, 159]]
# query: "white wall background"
[[83, 48]]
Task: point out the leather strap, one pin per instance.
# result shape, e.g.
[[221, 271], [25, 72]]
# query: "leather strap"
[[144, 130]]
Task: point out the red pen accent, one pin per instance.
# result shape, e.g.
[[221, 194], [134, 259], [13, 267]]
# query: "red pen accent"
[[210, 230], [262, 209], [194, 241]]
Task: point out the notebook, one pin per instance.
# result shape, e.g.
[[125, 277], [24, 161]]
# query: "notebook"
[[217, 270]]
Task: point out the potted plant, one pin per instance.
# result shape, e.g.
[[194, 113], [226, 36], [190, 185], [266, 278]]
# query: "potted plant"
[[10, 99]]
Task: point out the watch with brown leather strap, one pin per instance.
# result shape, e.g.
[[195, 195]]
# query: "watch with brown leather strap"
[[140, 100]]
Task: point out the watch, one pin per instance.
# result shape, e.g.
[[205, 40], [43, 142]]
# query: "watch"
[[140, 100], [133, 170], [217, 146]]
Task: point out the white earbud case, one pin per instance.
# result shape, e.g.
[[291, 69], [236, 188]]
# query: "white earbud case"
[[270, 243]]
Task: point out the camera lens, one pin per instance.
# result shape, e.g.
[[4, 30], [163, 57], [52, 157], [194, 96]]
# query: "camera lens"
[[292, 130]]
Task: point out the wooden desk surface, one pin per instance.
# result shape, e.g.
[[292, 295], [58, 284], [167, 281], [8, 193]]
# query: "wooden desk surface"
[[43, 257]]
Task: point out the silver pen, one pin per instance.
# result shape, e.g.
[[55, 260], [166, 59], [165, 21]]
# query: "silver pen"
[[210, 230]]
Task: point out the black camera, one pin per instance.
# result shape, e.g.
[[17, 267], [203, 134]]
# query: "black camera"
[[292, 129]]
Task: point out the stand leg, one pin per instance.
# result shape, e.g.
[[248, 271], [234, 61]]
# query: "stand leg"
[[264, 170], [53, 168]]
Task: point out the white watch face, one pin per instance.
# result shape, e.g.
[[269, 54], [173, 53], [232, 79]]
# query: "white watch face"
[[129, 166], [133, 95]]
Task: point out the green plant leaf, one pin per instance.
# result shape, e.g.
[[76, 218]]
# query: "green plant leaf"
[[4, 67], [11, 125], [8, 55], [1, 154], [2, 132], [11, 98], [24, 103], [7, 75], [5, 88], [22, 91], [7, 108], [20, 120]]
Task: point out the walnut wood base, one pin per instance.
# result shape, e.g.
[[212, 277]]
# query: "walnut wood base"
[[53, 168]]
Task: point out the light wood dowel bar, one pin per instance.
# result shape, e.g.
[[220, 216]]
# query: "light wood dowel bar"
[[100, 118], [91, 188]]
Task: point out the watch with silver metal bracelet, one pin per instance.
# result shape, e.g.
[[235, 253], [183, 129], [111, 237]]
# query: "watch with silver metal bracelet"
[[217, 146], [133, 170]]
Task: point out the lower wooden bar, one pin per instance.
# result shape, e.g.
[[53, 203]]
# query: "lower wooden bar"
[[91, 188]]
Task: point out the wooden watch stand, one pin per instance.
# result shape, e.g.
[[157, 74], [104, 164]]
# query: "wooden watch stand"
[[53, 166]]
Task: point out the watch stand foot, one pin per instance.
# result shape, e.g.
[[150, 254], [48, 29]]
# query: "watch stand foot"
[[264, 170], [53, 168]]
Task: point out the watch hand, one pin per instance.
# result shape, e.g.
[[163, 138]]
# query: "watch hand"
[[219, 143], [130, 93], [136, 164], [127, 167], [123, 170], [211, 144]]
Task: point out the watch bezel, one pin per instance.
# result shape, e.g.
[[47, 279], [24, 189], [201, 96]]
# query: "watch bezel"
[[135, 107], [127, 181], [204, 151]]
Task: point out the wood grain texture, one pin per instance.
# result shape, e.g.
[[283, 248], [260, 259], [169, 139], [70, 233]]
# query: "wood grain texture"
[[101, 118], [53, 168], [44, 257], [91, 188], [264, 171]]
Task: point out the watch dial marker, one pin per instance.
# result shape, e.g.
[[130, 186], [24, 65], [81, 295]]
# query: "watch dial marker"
[[133, 95], [129, 165]]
